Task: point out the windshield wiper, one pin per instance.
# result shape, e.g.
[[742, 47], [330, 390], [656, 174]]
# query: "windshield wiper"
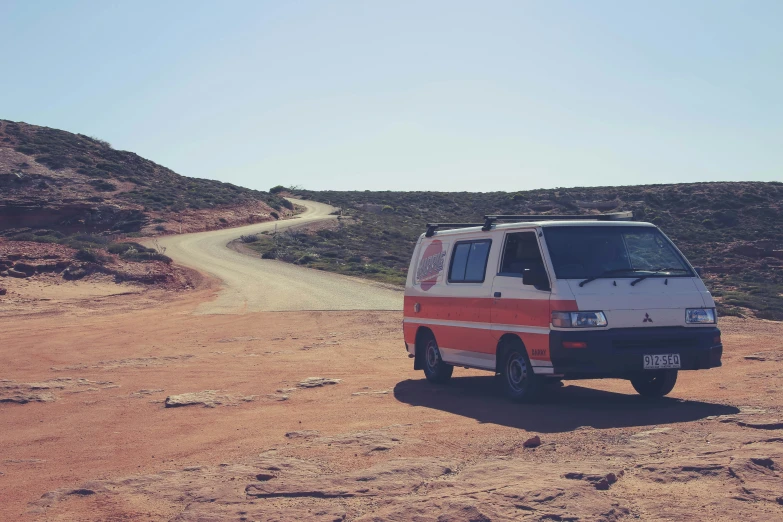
[[608, 273], [657, 271]]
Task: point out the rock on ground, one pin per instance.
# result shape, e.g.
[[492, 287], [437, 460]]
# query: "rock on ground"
[[315, 382], [26, 392], [206, 398]]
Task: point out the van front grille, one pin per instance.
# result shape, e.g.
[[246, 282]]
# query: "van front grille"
[[654, 343]]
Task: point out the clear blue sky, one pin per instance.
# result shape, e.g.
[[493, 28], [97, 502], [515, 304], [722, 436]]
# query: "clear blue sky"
[[433, 95]]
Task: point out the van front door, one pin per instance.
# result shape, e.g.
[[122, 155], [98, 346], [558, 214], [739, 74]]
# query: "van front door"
[[518, 309]]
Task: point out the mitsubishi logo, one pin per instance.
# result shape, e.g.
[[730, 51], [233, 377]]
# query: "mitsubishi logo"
[[647, 318]]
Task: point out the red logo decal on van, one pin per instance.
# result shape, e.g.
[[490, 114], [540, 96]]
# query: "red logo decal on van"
[[431, 265]]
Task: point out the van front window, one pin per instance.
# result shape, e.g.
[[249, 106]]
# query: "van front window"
[[581, 252]]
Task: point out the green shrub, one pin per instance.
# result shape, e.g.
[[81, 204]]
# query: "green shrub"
[[53, 161], [121, 248], [26, 236], [133, 255], [89, 256], [103, 186]]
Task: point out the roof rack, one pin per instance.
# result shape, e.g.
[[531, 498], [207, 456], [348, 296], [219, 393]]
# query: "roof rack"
[[432, 227], [490, 220]]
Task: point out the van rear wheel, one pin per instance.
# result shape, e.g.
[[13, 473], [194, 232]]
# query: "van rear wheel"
[[435, 369], [520, 384], [654, 384]]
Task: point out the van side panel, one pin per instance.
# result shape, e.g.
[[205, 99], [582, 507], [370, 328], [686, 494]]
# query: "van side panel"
[[458, 323], [458, 314], [467, 320], [528, 312]]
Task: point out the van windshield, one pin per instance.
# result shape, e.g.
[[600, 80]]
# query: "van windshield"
[[584, 252]]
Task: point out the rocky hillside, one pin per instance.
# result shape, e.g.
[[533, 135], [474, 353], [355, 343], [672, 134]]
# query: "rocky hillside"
[[733, 230], [70, 183]]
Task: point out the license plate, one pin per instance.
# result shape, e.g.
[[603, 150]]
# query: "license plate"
[[662, 361]]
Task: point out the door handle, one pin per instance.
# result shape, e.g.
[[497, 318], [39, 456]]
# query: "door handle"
[[497, 294]]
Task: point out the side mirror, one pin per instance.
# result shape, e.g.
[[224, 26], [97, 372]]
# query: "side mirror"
[[535, 277], [699, 270]]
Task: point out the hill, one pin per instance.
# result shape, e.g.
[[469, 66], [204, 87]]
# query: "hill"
[[68, 202], [72, 183], [733, 230]]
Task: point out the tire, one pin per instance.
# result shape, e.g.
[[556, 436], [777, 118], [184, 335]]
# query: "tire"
[[520, 384], [654, 384], [435, 369]]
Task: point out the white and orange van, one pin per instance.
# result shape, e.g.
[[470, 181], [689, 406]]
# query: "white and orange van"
[[546, 298]]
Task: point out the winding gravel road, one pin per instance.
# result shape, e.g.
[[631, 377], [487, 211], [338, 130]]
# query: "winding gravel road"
[[251, 284]]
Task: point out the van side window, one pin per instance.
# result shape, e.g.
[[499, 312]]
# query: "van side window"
[[469, 261], [520, 253]]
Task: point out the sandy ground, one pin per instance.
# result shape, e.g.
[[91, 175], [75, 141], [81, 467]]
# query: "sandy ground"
[[96, 294], [121, 404], [86, 434], [251, 284]]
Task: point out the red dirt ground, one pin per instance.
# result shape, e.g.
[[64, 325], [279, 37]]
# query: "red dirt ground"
[[85, 433]]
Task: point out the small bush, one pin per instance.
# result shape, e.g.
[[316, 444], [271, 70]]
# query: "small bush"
[[89, 256], [53, 162], [49, 239], [277, 189], [274, 215], [103, 186], [91, 238], [121, 248], [26, 236], [147, 255], [250, 238], [50, 233]]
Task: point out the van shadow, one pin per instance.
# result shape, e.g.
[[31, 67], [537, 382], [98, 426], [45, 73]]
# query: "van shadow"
[[559, 410]]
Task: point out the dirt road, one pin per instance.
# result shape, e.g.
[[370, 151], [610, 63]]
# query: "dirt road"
[[251, 284]]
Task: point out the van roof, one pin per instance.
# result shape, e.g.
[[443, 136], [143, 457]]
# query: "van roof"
[[543, 224]]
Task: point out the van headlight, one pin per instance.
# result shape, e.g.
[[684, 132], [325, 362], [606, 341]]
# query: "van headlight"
[[700, 315], [578, 319]]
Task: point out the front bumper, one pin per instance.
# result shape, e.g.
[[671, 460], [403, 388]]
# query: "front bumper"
[[619, 352]]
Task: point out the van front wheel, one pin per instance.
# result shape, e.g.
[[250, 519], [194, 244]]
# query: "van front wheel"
[[654, 384], [435, 369], [519, 382]]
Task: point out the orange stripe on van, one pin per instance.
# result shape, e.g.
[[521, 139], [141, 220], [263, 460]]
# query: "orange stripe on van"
[[471, 309], [488, 310], [521, 312], [478, 340]]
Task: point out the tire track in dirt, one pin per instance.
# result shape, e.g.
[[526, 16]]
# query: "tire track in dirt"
[[251, 284]]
